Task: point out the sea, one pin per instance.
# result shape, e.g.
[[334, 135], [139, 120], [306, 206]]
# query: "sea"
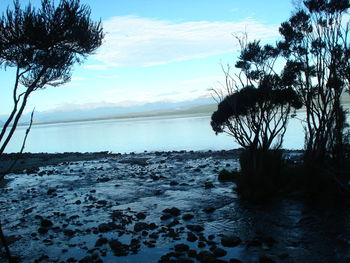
[[163, 133]]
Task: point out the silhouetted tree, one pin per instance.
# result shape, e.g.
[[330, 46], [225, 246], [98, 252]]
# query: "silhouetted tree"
[[42, 45], [317, 47], [258, 104]]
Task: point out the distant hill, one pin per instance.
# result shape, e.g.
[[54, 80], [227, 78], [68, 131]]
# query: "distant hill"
[[197, 106]]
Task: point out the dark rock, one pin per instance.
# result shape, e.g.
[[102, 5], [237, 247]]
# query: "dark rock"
[[173, 183], [173, 223], [102, 202], [46, 223], [101, 241], [42, 230], [103, 179], [230, 241], [265, 259], [187, 216], [174, 211], [206, 257], [191, 237], [192, 253], [154, 236], [91, 259], [209, 210], [69, 232], [181, 247], [184, 260], [118, 248], [139, 226], [165, 217], [78, 202], [219, 252], [208, 185], [51, 191], [201, 244], [234, 260], [152, 226], [195, 228], [140, 215], [105, 227]]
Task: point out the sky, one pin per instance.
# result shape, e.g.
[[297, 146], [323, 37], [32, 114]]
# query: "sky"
[[155, 50]]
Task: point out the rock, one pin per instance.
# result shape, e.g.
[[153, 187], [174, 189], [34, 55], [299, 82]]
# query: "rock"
[[51, 191], [140, 215], [105, 227], [42, 230], [230, 241], [154, 236], [118, 248], [234, 260], [187, 216], [91, 259], [192, 253], [206, 257], [184, 260], [46, 223], [102, 202], [173, 183], [208, 185], [191, 237], [265, 259], [165, 217], [219, 252], [181, 247], [195, 228], [101, 241], [69, 232], [174, 211], [139, 226], [78, 202], [209, 210]]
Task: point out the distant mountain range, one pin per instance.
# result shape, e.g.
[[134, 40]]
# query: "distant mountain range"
[[200, 105]]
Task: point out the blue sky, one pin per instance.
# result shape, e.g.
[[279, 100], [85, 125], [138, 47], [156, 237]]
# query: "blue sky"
[[156, 50]]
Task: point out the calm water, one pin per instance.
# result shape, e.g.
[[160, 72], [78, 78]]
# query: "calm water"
[[136, 135]]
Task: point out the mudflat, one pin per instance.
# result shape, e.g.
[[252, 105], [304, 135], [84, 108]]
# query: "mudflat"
[[157, 207]]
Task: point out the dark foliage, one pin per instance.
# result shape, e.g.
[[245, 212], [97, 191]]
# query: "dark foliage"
[[43, 44], [256, 113], [316, 46]]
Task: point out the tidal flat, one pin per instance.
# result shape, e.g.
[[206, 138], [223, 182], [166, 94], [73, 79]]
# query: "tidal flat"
[[158, 207]]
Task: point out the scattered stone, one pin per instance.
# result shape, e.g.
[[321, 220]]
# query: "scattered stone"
[[181, 247], [140, 215], [69, 232], [209, 210], [173, 183], [42, 230], [266, 259], [187, 216], [102, 202], [46, 223], [219, 252], [118, 248], [192, 253], [195, 228], [78, 202], [105, 227], [101, 241], [174, 211], [139, 226], [208, 185], [230, 241], [234, 260]]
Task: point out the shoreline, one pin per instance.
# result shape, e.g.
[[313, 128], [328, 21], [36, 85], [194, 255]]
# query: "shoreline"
[[30, 162]]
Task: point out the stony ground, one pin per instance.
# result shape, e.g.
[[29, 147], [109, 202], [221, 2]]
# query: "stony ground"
[[158, 207]]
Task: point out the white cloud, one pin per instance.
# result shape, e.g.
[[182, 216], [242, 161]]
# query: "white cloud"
[[95, 67], [136, 41]]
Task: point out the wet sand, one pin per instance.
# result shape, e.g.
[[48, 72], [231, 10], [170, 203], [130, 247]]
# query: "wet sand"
[[157, 207]]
